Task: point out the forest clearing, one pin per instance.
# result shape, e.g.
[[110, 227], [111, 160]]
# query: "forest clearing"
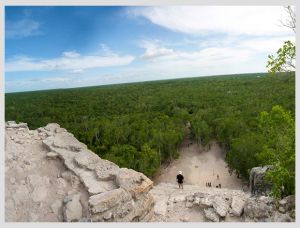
[[199, 166]]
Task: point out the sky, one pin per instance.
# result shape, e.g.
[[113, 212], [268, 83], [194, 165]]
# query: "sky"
[[66, 47]]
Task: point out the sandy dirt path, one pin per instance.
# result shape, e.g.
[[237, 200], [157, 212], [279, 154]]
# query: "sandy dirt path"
[[200, 166]]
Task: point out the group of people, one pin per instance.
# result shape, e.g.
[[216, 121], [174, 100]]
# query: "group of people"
[[180, 179], [208, 184]]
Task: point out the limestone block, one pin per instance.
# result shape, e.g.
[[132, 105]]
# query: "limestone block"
[[211, 215], [72, 210], [105, 201], [134, 182], [237, 205], [258, 208], [106, 170], [221, 206]]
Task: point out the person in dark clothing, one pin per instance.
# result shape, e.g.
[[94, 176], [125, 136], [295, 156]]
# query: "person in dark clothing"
[[180, 179]]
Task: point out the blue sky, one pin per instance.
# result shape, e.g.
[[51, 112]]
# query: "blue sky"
[[63, 47]]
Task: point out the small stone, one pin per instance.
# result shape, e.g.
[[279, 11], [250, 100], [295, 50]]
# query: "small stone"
[[237, 205], [104, 201], [61, 183], [84, 219], [72, 210], [281, 209], [12, 180], [51, 155], [67, 199], [186, 218], [60, 192], [107, 216], [190, 198], [19, 141], [39, 194], [26, 162], [221, 206], [34, 217], [179, 198], [211, 215], [283, 202], [292, 214], [189, 204], [56, 206], [206, 202], [196, 201], [72, 192]]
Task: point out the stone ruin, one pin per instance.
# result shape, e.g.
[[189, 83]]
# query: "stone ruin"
[[52, 177], [49, 171]]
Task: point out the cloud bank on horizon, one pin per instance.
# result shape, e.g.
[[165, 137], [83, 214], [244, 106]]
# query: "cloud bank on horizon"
[[63, 47]]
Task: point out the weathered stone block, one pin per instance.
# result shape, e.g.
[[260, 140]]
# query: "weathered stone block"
[[237, 205], [211, 215], [258, 184], [134, 182], [221, 206], [72, 210], [105, 201]]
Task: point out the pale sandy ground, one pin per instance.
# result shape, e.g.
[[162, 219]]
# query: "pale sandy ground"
[[200, 166]]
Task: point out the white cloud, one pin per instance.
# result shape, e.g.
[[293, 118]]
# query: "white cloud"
[[204, 20], [264, 44], [226, 56], [154, 50], [22, 28], [106, 51], [71, 61], [214, 48], [71, 54]]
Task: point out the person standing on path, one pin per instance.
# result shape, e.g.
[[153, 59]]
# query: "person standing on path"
[[180, 179]]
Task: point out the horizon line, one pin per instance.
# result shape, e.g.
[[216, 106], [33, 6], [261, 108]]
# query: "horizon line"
[[135, 82]]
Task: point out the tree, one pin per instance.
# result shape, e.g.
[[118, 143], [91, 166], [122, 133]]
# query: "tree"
[[278, 130], [123, 155], [242, 156], [290, 21], [285, 59], [148, 161], [286, 55]]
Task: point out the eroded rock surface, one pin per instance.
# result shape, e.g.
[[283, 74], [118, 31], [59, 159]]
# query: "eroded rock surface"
[[51, 176], [258, 184]]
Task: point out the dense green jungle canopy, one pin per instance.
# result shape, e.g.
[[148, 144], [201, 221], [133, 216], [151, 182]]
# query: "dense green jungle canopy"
[[141, 125]]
